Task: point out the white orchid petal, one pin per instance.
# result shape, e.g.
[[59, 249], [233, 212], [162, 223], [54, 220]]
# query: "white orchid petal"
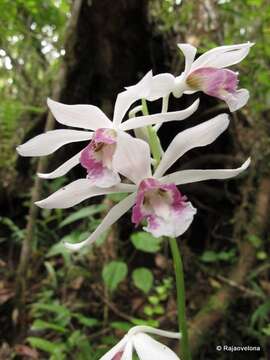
[[126, 98], [191, 176], [197, 136], [116, 349], [50, 141], [142, 121], [123, 102], [132, 157], [127, 354], [189, 52], [113, 215], [78, 191], [142, 87], [149, 349], [161, 85], [223, 56], [82, 116], [62, 169], [151, 330], [238, 99]]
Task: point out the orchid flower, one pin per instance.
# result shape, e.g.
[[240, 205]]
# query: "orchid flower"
[[145, 346], [108, 138], [154, 198], [207, 73]]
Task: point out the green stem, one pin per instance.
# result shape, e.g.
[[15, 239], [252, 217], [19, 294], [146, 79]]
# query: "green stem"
[[152, 136], [156, 151], [180, 289]]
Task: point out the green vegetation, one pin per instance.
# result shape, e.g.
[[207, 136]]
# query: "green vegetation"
[[71, 304]]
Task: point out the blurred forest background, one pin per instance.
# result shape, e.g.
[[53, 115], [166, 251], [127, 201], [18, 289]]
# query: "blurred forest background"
[[56, 305]]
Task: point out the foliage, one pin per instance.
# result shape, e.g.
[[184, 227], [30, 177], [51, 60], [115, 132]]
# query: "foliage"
[[143, 279], [113, 273], [31, 45], [146, 242]]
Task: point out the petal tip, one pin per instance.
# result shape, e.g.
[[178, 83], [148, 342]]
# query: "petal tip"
[[196, 103], [39, 203], [72, 247], [246, 163], [43, 176], [19, 150]]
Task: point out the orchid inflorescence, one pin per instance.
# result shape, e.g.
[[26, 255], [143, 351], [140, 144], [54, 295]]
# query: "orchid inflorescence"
[[117, 162]]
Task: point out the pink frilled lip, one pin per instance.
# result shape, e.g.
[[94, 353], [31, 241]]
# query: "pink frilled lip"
[[97, 157], [214, 82], [162, 206]]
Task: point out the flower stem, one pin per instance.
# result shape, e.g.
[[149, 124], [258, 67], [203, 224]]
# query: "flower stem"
[[181, 307], [152, 136]]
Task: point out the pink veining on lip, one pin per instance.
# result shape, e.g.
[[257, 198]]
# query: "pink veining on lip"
[[219, 83], [118, 356], [97, 158], [162, 206]]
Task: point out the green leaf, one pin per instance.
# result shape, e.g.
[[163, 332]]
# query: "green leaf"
[[52, 273], [113, 273], [83, 213], [62, 314], [261, 313], [45, 345], [150, 322], [143, 279], [44, 325], [213, 256], [159, 310], [154, 300], [148, 310], [266, 330], [255, 241], [121, 325], [146, 242], [209, 256], [83, 320], [59, 249], [261, 255]]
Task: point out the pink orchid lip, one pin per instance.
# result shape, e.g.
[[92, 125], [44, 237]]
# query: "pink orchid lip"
[[97, 158], [118, 356], [219, 83], [163, 207]]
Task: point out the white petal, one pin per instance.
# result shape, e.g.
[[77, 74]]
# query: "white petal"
[[197, 136], [223, 56], [175, 225], [62, 169], [151, 330], [82, 116], [117, 348], [238, 99], [150, 349], [126, 98], [113, 215], [161, 85], [191, 176], [189, 51], [109, 178], [142, 121], [78, 191], [50, 141], [142, 87], [132, 157], [127, 354]]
